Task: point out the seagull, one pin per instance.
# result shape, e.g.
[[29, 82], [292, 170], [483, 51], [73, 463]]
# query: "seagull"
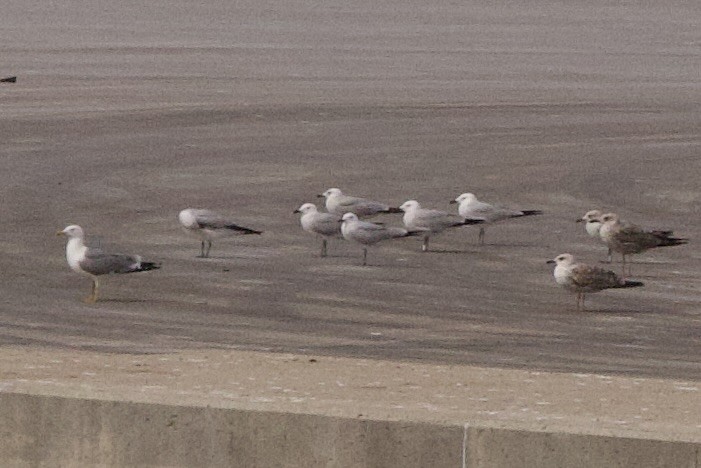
[[582, 279], [470, 207], [627, 239], [340, 204], [592, 224], [326, 225], [95, 262], [367, 233], [207, 225], [431, 221]]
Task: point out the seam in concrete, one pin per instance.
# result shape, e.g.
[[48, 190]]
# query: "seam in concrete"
[[465, 428]]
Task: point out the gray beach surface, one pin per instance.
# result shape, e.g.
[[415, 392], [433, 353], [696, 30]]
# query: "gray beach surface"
[[123, 114]]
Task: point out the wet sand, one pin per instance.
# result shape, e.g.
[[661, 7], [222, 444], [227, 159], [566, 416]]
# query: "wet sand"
[[121, 117]]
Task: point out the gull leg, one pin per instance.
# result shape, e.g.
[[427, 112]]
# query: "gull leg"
[[323, 247], [583, 297], [201, 250], [424, 247], [365, 256], [480, 237], [609, 256], [209, 246], [92, 298]]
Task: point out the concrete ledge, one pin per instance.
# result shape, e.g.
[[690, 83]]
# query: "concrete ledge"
[[57, 431]]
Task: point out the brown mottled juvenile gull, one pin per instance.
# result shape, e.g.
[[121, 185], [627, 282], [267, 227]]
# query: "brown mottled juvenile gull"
[[592, 224], [206, 225], [470, 207], [367, 233], [94, 262], [325, 225], [582, 279], [430, 222], [340, 204], [627, 239]]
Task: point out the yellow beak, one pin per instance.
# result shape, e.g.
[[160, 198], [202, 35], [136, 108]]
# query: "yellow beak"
[[60, 233]]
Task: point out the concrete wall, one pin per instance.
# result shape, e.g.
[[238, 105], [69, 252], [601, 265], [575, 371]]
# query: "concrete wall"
[[53, 431]]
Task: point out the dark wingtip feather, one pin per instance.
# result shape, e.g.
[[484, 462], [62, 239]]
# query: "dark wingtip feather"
[[531, 212], [632, 284], [146, 266], [245, 230], [392, 209], [672, 241], [469, 221]]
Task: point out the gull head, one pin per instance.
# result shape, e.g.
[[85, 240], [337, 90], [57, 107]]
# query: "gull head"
[[609, 218], [410, 205], [590, 216], [306, 208], [72, 231], [332, 192], [349, 217], [564, 259], [465, 197]]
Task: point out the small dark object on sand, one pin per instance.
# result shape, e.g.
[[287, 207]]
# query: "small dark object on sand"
[[9, 79]]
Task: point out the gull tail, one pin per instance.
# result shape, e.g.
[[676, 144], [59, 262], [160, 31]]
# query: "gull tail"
[[146, 266], [9, 79], [671, 241], [630, 284], [529, 213], [665, 239], [414, 233], [392, 209], [244, 230], [470, 221]]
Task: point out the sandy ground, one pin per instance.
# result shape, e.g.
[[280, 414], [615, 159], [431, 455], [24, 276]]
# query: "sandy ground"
[[121, 117]]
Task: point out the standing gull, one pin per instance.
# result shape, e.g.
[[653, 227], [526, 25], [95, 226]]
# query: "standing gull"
[[340, 204], [627, 239], [206, 225], [325, 225], [470, 207], [582, 279], [95, 262], [366, 233], [431, 221], [592, 224]]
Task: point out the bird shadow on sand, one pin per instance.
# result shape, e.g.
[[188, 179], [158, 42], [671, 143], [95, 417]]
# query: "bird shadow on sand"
[[228, 257], [450, 251], [117, 300], [595, 310], [508, 244]]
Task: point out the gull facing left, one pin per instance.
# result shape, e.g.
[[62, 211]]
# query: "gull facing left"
[[582, 279], [592, 224], [367, 233], [325, 225], [430, 222], [206, 225], [340, 204], [94, 262], [470, 207]]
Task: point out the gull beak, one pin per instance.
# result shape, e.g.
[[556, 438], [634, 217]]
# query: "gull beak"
[[60, 233], [341, 220], [452, 202], [579, 220], [296, 211], [320, 196], [550, 262]]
